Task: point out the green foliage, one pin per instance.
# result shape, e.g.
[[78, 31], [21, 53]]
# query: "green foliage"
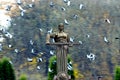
[[23, 77], [6, 69], [1, 74], [52, 68], [117, 73]]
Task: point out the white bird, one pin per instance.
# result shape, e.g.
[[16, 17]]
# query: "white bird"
[[91, 56], [68, 3], [75, 16], [21, 9], [106, 40], [8, 7], [22, 13], [65, 1], [88, 36], [19, 2], [51, 4], [3, 30], [52, 52], [16, 50], [63, 9], [80, 42], [38, 67], [66, 22], [41, 53], [32, 50], [70, 62], [69, 67], [7, 34], [31, 42], [0, 47], [33, 0], [41, 30], [9, 45], [40, 60], [108, 21], [50, 31], [50, 70], [71, 39], [30, 5], [80, 6], [29, 59], [10, 62]]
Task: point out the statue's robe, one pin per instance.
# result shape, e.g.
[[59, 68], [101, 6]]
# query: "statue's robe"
[[62, 51]]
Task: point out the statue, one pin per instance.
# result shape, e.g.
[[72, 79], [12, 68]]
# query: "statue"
[[62, 50], [59, 36]]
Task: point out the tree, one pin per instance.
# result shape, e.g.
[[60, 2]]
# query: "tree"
[[52, 68], [23, 77], [1, 74], [117, 73], [6, 69]]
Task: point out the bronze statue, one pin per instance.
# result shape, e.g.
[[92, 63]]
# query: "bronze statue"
[[62, 50], [59, 36]]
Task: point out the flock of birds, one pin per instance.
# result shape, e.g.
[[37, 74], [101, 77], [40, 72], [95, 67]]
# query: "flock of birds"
[[6, 34]]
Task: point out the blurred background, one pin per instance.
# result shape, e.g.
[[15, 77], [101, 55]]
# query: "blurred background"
[[95, 24]]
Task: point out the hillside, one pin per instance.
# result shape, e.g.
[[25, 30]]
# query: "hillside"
[[93, 23]]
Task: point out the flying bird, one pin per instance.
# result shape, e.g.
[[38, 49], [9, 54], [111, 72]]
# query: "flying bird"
[[66, 22], [91, 56], [32, 51], [71, 39], [69, 66], [50, 70], [0, 47], [108, 21], [80, 42], [65, 1], [33, 0], [75, 16], [106, 40], [39, 59], [29, 59], [38, 67], [52, 4], [68, 3], [9, 45], [8, 7], [52, 52], [41, 30], [7, 34], [80, 6], [50, 31], [31, 42], [22, 11], [16, 50], [63, 9], [19, 2]]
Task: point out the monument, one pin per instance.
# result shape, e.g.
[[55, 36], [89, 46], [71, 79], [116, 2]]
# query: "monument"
[[62, 43]]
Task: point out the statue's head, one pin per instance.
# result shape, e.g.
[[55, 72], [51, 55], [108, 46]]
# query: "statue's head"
[[62, 76], [61, 26]]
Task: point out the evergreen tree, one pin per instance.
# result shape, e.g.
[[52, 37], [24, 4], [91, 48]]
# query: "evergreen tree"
[[52, 70], [1, 73], [7, 70], [117, 73]]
